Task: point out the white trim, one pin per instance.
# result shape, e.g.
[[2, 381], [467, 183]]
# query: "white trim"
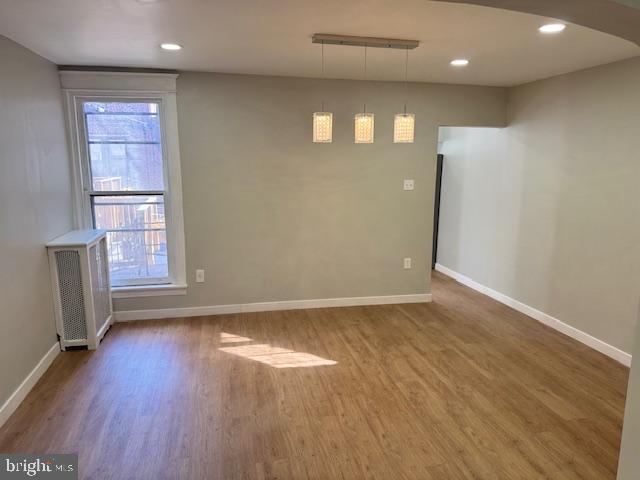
[[173, 201], [16, 398], [128, 81], [125, 316], [73, 141], [149, 290], [158, 87], [579, 335]]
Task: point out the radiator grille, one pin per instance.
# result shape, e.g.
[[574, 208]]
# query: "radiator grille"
[[71, 294]]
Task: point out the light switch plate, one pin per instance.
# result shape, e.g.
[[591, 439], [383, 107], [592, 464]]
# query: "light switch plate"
[[199, 276], [407, 263], [408, 184]]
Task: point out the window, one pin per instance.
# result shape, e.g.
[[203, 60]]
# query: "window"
[[127, 188], [128, 183]]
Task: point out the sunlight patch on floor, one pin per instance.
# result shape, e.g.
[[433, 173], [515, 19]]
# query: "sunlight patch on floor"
[[276, 357], [231, 338]]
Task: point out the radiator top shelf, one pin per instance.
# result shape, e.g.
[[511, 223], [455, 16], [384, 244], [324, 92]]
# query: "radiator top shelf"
[[78, 238]]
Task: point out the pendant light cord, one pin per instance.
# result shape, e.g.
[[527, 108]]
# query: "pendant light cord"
[[406, 79], [322, 47], [364, 108]]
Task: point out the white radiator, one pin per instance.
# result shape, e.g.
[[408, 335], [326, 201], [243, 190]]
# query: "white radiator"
[[81, 291]]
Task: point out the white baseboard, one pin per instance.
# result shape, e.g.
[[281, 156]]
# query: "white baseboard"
[[125, 316], [579, 335], [16, 398]]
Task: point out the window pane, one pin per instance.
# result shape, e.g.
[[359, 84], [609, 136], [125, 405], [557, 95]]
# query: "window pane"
[[126, 167], [121, 107], [123, 127], [136, 237], [125, 151]]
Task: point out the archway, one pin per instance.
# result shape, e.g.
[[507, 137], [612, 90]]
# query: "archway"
[[616, 17]]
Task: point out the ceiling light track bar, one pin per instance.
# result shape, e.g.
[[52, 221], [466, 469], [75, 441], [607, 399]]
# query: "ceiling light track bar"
[[329, 39]]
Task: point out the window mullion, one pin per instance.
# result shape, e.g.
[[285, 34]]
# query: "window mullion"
[[125, 193]]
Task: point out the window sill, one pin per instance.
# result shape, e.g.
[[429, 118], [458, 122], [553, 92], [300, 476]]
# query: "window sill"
[[149, 291]]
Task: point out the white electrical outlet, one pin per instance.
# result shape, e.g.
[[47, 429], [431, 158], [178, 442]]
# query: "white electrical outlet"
[[408, 184], [407, 263], [199, 276]]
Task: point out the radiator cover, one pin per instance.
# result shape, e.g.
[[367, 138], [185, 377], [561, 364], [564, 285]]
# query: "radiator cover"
[[80, 281]]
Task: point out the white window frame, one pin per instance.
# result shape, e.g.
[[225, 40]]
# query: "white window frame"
[[81, 86]]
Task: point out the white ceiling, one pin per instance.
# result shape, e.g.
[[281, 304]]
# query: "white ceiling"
[[273, 37]]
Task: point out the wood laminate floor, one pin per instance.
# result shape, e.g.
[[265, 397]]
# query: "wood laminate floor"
[[463, 388]]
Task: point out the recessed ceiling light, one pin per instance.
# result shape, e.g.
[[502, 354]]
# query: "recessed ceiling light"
[[170, 46], [460, 62], [552, 28]]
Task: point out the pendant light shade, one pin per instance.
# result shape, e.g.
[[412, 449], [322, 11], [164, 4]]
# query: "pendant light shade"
[[403, 127], [322, 127], [364, 127], [404, 123], [364, 122], [322, 121]]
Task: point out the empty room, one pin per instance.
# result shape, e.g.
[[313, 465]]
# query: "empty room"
[[384, 239]]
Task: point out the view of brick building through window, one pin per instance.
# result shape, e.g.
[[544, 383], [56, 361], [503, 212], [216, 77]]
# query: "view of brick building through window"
[[127, 188]]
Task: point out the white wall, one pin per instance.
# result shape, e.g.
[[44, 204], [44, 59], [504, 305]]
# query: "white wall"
[[272, 216], [547, 210], [35, 206]]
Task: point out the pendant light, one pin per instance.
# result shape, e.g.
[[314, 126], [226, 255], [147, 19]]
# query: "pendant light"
[[322, 121], [364, 122], [404, 123]]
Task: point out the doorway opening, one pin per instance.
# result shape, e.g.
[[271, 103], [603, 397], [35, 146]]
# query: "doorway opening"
[[436, 209]]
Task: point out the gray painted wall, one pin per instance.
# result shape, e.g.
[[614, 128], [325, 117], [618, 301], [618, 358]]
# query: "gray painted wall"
[[629, 464], [546, 211], [271, 216], [35, 206]]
